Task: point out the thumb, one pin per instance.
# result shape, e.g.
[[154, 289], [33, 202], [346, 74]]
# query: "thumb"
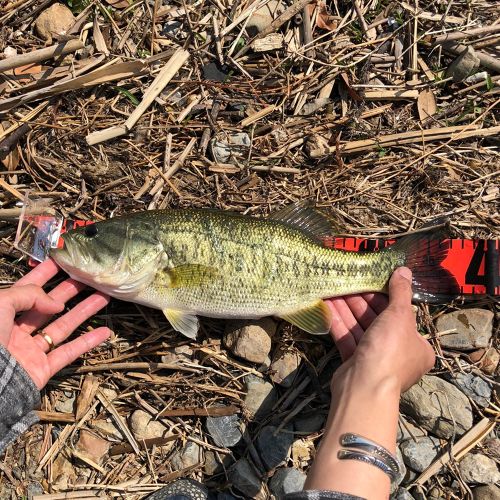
[[400, 292]]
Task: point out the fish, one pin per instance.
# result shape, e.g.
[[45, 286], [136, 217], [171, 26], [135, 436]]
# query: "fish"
[[214, 263]]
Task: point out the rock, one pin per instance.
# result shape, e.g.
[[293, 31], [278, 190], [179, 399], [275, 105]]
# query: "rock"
[[478, 468], [473, 386], [429, 403], [243, 477], [486, 359], [284, 368], [260, 397], [181, 489], [419, 453], [66, 404], [215, 464], [274, 447], [226, 496], [106, 428], [9, 52], [474, 328], [92, 446], [177, 354], [231, 148], [492, 446], [144, 426], [264, 16], [54, 21], [402, 471], [308, 424], [490, 492], [225, 431], [406, 430], [110, 392], [465, 64], [63, 472], [250, 340], [286, 481], [188, 456], [34, 488], [402, 494]]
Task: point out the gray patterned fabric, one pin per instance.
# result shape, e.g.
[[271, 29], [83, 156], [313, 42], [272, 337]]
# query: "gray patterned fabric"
[[18, 397], [320, 495], [182, 489]]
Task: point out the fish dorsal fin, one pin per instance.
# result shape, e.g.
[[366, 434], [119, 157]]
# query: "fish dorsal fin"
[[310, 220], [187, 275], [315, 318], [184, 322]]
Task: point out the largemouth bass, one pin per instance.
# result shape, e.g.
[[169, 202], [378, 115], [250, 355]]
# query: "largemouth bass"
[[226, 265]]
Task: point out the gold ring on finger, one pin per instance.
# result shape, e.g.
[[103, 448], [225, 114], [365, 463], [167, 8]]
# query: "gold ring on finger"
[[48, 339]]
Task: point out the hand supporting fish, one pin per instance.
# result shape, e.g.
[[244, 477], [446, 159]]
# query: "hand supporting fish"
[[226, 265]]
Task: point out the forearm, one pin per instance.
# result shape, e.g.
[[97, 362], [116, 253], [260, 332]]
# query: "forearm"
[[363, 406], [18, 397]]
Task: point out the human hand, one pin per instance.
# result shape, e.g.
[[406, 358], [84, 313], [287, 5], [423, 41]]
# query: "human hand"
[[379, 335], [33, 352]]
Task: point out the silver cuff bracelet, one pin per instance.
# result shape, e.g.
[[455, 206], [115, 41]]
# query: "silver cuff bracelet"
[[368, 459]]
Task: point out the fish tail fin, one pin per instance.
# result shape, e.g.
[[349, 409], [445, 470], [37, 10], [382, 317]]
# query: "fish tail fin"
[[424, 254]]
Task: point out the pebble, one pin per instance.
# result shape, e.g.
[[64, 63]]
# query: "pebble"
[[66, 404], [244, 478], [144, 426], [92, 446], [9, 52], [429, 403], [181, 489], [402, 471], [191, 454], [54, 21], [106, 428], [420, 452], [489, 492], [284, 368], [174, 355], [478, 468], [474, 328], [274, 447], [486, 359], [288, 480], [231, 148], [264, 16], [465, 64], [225, 431], [473, 386], [63, 472], [402, 494], [215, 464], [492, 446], [261, 396], [250, 340], [309, 423]]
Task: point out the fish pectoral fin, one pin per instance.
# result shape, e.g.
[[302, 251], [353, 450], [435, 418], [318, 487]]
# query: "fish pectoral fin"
[[315, 318], [184, 322], [187, 275]]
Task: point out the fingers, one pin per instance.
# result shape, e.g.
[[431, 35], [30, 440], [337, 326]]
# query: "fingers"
[[377, 301], [25, 297], [67, 353], [60, 329], [400, 292], [342, 336], [40, 274], [33, 320], [361, 310], [348, 318]]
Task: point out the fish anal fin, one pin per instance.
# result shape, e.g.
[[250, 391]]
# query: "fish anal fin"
[[183, 322], [187, 275], [305, 217], [315, 318]]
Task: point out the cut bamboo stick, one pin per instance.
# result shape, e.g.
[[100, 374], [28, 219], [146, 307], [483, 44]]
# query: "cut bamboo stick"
[[389, 95]]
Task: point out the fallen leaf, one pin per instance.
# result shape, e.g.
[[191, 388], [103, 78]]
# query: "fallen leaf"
[[27, 69], [119, 4], [426, 104], [324, 20]]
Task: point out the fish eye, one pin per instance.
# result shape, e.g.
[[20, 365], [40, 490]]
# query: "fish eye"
[[90, 230]]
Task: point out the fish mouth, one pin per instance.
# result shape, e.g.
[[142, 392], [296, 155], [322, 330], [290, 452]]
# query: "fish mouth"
[[71, 257]]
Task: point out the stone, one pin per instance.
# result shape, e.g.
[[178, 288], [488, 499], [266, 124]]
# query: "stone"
[[66, 403], [189, 455], [231, 148], [226, 496], [216, 463], [260, 397], [110, 392], [181, 489], [106, 428], [486, 359], [274, 447], [92, 446], [407, 430], [34, 488], [250, 340], [225, 431], [489, 492], [63, 472], [144, 426], [492, 447], [244, 478], [438, 406], [54, 21], [284, 368], [177, 354], [264, 16], [420, 452], [402, 494], [474, 328], [402, 471], [478, 468], [463, 66], [287, 480], [308, 424], [473, 386]]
